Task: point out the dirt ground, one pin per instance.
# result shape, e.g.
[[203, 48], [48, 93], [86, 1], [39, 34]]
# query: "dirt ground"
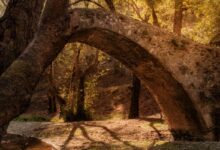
[[123, 134], [140, 134]]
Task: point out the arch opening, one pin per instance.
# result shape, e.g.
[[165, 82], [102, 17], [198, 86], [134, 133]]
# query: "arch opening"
[[172, 99]]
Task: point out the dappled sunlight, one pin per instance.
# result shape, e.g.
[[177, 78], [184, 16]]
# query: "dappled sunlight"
[[57, 119], [78, 135]]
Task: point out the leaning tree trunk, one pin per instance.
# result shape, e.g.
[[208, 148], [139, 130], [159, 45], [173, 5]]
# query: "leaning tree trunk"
[[17, 28], [183, 76], [19, 80]]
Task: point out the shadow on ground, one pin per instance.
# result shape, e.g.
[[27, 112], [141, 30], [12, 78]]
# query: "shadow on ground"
[[94, 144], [134, 134]]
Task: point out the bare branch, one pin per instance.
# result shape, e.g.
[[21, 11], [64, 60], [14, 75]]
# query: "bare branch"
[[76, 2], [137, 10], [110, 5]]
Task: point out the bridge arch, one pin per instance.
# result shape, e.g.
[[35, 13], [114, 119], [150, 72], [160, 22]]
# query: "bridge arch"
[[179, 73], [165, 62], [181, 115]]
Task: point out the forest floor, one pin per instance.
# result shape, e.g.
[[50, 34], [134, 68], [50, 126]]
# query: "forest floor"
[[123, 134], [137, 134]]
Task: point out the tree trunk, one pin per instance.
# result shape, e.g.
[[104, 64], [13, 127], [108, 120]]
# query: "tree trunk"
[[216, 120], [80, 109], [55, 102], [19, 80], [17, 28], [178, 17], [69, 114], [134, 106], [151, 4], [52, 93], [110, 4], [52, 104], [215, 41], [92, 63], [155, 18]]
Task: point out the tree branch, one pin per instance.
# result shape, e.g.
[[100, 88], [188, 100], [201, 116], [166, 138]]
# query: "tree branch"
[[110, 5], [76, 2], [136, 9]]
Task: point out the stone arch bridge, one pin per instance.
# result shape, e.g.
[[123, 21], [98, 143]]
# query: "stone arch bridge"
[[183, 76]]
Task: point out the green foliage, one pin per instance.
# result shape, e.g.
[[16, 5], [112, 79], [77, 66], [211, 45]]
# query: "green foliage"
[[200, 22], [63, 69], [91, 93], [64, 65], [206, 19]]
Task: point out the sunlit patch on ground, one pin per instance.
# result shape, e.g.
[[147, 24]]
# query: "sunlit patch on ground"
[[147, 134], [123, 134]]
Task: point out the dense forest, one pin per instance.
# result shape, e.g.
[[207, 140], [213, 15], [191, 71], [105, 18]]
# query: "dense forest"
[[109, 74]]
